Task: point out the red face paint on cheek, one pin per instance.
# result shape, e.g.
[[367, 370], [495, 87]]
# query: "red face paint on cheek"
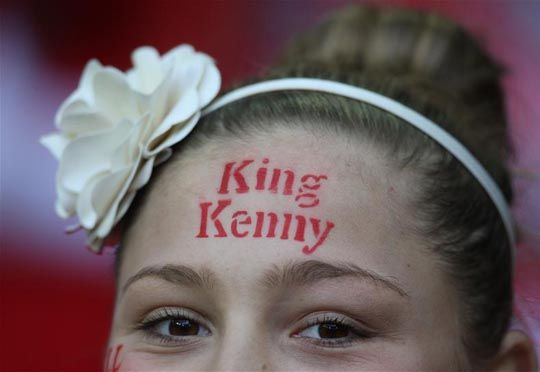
[[113, 360], [219, 218]]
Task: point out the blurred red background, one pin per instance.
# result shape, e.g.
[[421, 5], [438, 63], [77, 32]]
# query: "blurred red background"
[[56, 296]]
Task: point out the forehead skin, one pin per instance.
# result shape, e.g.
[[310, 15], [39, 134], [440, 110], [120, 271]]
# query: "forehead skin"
[[364, 198]]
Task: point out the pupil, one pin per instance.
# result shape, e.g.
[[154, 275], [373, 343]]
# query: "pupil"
[[183, 327], [332, 330]]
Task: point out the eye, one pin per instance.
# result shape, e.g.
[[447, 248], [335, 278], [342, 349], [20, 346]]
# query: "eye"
[[173, 326], [326, 330], [332, 330], [181, 327]]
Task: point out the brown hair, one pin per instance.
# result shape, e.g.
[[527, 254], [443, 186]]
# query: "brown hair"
[[433, 66]]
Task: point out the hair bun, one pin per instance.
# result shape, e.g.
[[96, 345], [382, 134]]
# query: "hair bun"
[[401, 43]]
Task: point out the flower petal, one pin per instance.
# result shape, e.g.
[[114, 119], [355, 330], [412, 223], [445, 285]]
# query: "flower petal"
[[115, 186], [143, 175], [65, 203], [94, 242], [177, 133], [209, 86], [104, 226], [87, 156], [114, 97], [55, 143], [99, 196], [83, 93], [86, 211], [75, 107], [183, 110], [188, 74], [128, 151], [81, 124], [147, 73], [178, 54], [159, 103], [90, 70]]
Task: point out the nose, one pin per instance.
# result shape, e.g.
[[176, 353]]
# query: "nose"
[[245, 359], [243, 348]]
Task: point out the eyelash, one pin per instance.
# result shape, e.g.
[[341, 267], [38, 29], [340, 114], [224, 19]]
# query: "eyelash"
[[149, 324], [359, 334]]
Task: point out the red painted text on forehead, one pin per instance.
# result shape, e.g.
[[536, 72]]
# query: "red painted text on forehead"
[[220, 219]]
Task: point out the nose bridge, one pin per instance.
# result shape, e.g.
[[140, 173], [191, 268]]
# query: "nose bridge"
[[243, 344]]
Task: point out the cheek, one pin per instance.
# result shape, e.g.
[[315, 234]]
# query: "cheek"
[[141, 361], [416, 353], [120, 358], [388, 356], [114, 358]]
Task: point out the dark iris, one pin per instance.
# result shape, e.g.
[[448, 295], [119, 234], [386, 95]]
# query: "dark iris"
[[333, 330], [183, 327]]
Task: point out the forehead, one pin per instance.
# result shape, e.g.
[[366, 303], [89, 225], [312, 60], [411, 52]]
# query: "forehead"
[[286, 196], [280, 167]]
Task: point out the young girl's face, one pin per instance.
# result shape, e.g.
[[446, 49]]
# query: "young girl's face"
[[291, 252]]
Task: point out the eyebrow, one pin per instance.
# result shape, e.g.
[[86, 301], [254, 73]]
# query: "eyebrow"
[[292, 274], [305, 273], [175, 274]]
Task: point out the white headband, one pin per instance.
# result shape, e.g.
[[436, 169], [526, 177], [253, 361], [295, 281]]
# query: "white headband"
[[393, 107]]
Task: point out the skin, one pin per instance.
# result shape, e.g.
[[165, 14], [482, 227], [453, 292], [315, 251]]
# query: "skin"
[[401, 315]]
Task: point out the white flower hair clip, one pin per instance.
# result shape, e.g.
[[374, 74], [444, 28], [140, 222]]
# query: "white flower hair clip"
[[115, 127]]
